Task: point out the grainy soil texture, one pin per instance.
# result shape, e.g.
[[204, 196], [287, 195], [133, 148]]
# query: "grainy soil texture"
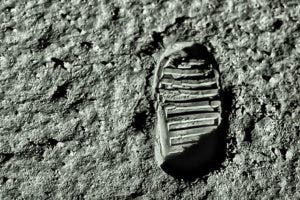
[[75, 106]]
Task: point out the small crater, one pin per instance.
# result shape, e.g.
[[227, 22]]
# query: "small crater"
[[86, 45], [80, 196], [150, 47], [115, 13], [228, 30], [277, 106], [283, 151], [136, 194], [268, 53], [60, 92], [139, 120], [52, 142], [245, 174], [263, 112], [4, 157], [45, 40], [266, 77], [297, 132], [157, 39], [248, 130], [43, 43], [32, 150], [63, 15], [277, 24], [58, 63], [180, 20], [3, 180]]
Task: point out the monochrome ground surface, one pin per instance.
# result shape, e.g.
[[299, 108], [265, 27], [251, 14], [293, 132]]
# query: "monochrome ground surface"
[[75, 107]]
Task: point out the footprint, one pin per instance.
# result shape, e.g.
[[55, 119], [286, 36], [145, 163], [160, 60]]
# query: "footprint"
[[186, 92]]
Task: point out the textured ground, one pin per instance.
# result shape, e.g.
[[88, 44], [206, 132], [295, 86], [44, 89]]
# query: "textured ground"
[[75, 116]]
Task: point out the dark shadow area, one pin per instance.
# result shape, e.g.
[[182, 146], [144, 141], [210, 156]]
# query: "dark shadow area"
[[198, 51], [199, 159], [140, 120], [248, 129], [60, 92], [208, 154]]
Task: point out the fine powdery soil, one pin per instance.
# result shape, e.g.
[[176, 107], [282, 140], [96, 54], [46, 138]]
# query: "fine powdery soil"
[[77, 111]]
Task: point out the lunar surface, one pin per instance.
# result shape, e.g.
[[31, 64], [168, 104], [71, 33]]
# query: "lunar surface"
[[77, 117]]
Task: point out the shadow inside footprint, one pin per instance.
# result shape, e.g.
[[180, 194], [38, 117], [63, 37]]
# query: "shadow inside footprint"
[[200, 159]]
